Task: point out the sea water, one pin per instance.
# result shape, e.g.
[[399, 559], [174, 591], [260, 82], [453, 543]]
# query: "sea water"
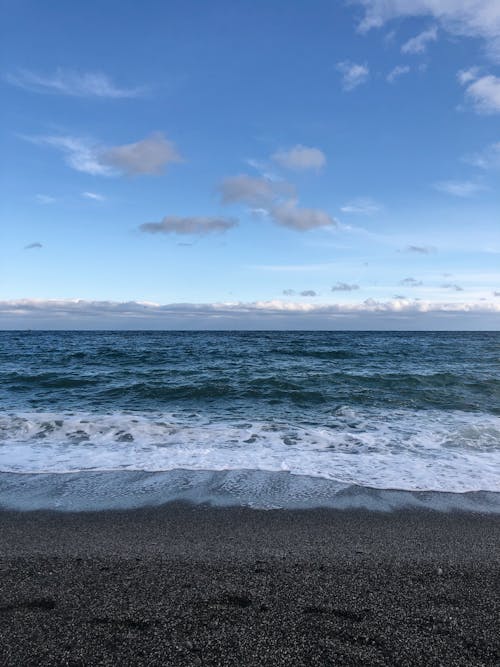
[[94, 420]]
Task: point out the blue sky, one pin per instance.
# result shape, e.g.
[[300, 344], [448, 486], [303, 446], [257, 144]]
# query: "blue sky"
[[250, 164]]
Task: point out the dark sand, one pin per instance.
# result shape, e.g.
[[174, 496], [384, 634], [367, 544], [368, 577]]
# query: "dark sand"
[[183, 585]]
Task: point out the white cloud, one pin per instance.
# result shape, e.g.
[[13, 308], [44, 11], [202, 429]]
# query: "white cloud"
[[396, 72], [471, 18], [362, 206], [420, 249], [260, 212], [300, 157], [45, 199], [459, 188], [464, 76], [264, 169], [306, 292], [411, 282], [173, 224], [31, 246], [75, 84], [67, 313], [94, 196], [344, 287], [255, 192], [80, 154], [273, 199], [353, 74], [149, 156], [290, 215], [482, 91], [419, 43], [488, 158]]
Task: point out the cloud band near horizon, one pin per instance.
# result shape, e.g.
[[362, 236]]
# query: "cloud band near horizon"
[[279, 314]]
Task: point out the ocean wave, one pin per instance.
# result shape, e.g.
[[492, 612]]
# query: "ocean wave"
[[317, 354], [47, 380], [306, 385], [391, 449]]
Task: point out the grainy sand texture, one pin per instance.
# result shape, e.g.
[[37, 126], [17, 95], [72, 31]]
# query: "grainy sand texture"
[[194, 585]]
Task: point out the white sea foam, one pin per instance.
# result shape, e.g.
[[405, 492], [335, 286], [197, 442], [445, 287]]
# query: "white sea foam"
[[407, 450]]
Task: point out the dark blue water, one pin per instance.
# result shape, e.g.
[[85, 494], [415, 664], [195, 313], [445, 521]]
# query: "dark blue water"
[[410, 411]]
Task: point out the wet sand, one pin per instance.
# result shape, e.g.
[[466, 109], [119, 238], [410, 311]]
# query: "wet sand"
[[193, 585]]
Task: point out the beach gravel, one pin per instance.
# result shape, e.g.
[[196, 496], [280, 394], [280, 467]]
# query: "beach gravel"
[[193, 585]]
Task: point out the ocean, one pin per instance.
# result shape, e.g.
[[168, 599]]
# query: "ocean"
[[98, 420]]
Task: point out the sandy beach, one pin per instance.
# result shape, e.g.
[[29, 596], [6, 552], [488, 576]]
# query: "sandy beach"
[[194, 585]]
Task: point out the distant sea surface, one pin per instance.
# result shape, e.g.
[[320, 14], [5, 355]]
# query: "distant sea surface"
[[94, 420]]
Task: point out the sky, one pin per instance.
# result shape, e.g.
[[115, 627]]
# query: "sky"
[[250, 164]]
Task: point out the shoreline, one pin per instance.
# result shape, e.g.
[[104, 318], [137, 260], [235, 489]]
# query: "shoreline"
[[188, 584], [88, 491]]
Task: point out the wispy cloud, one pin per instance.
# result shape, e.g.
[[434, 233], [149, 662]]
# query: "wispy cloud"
[[344, 287], [300, 158], [94, 196], [465, 76], [306, 292], [74, 84], [45, 199], [397, 72], [420, 249], [263, 168], [472, 18], [452, 286], [419, 43], [146, 157], [460, 188], [488, 158], [483, 92], [362, 206], [80, 154], [411, 282], [353, 74], [31, 246], [173, 224]]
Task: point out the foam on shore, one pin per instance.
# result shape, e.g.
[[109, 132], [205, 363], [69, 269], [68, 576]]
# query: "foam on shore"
[[451, 452]]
